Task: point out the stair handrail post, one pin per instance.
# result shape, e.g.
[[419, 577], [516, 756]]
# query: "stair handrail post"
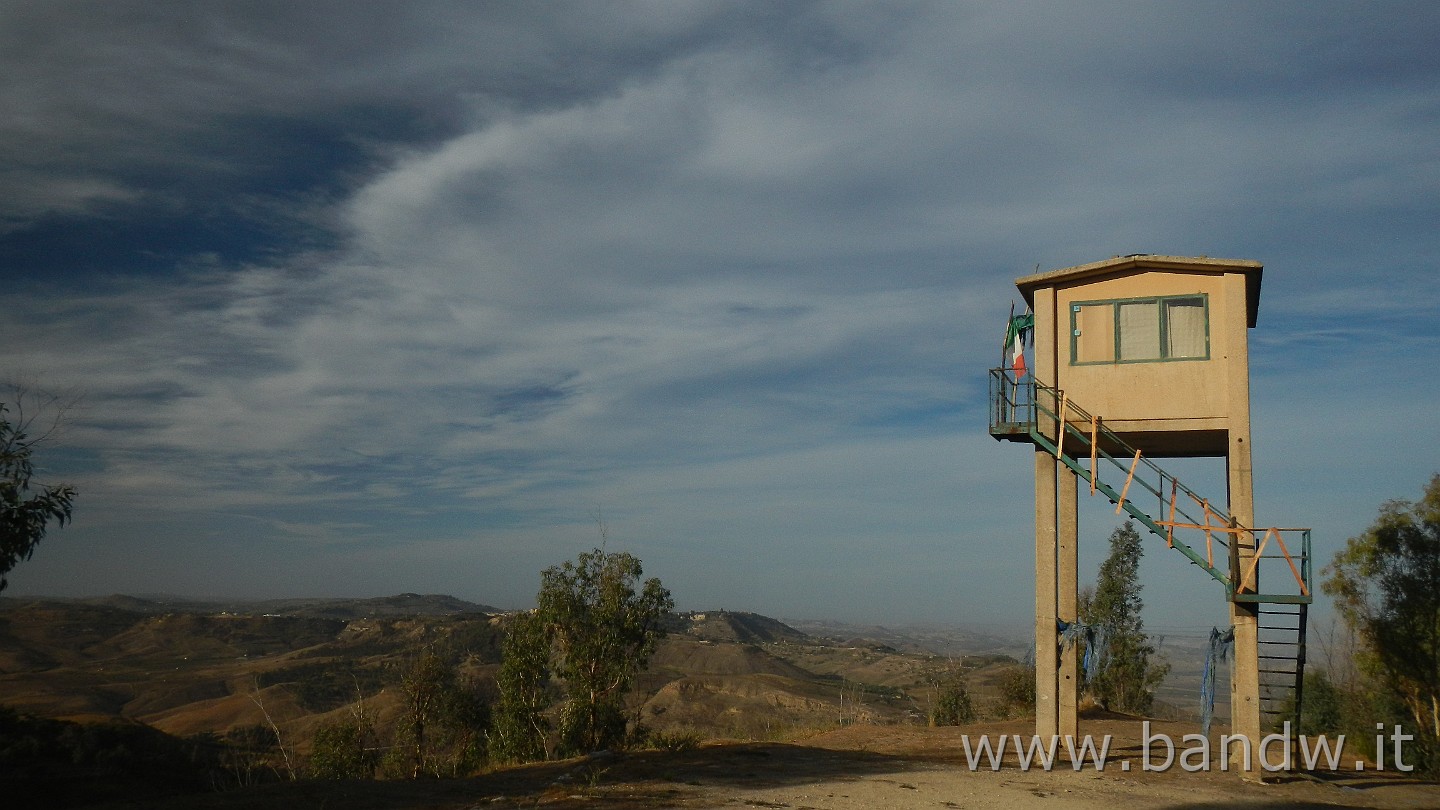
[[1235, 560], [1301, 615], [1305, 558]]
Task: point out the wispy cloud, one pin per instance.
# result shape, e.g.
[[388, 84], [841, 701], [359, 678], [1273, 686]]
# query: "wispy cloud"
[[434, 286]]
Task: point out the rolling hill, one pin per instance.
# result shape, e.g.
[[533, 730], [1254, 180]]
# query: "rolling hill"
[[190, 667]]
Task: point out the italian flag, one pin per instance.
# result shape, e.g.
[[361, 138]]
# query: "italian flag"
[[1015, 334]]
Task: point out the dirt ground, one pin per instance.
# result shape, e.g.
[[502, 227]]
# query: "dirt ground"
[[854, 767]]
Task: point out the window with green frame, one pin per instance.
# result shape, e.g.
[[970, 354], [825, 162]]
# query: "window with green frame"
[[1140, 330]]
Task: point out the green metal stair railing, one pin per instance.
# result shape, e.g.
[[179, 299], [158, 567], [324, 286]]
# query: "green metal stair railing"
[[1034, 411]]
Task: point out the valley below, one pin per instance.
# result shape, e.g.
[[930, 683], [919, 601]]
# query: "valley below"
[[739, 710], [190, 668]]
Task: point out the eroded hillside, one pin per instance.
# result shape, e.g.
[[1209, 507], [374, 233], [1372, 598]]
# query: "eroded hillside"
[[192, 668]]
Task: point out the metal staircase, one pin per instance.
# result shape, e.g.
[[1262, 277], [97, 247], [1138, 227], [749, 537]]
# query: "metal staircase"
[[1024, 410], [1282, 663]]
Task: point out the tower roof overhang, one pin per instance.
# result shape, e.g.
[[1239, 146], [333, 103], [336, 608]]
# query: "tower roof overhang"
[[1141, 262]]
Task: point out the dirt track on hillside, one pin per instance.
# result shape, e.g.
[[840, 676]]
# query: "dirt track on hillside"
[[855, 767]]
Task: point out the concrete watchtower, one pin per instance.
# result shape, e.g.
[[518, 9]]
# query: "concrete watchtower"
[[1155, 349]]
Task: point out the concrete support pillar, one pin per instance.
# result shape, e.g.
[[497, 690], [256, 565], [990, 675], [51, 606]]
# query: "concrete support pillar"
[[1239, 483], [1067, 571], [1047, 605], [1244, 616], [1047, 660]]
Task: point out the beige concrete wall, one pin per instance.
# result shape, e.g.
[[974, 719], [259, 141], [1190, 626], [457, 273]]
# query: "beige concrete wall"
[[1165, 395]]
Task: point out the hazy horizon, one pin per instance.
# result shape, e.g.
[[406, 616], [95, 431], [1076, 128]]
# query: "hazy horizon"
[[384, 299]]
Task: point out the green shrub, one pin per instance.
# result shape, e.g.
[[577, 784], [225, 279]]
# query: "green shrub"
[[344, 750], [674, 740], [952, 704], [1017, 692]]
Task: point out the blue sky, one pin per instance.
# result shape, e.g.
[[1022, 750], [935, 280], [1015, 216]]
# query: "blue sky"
[[372, 298]]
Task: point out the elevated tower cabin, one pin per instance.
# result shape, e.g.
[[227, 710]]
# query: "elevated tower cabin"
[[1137, 358]]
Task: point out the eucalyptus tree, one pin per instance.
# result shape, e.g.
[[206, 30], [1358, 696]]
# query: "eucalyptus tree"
[[594, 629], [25, 511], [1386, 586]]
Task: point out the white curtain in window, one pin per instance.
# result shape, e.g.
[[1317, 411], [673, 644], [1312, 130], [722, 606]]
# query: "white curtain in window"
[[1185, 327], [1140, 330]]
